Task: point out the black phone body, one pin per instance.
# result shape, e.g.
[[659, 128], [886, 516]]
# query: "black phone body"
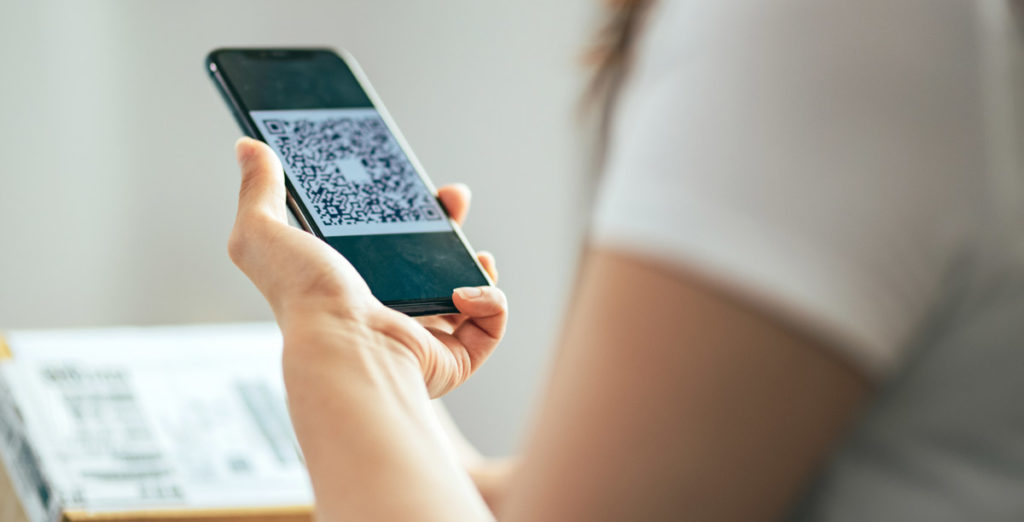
[[351, 179]]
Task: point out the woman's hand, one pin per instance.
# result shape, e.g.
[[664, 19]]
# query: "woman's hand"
[[319, 299]]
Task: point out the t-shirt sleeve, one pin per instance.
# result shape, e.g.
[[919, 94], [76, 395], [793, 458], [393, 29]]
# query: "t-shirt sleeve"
[[811, 156]]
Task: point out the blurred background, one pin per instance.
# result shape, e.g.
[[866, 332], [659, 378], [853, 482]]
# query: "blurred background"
[[119, 183]]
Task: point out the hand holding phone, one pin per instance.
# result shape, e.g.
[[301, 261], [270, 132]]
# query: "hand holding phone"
[[321, 301], [350, 178]]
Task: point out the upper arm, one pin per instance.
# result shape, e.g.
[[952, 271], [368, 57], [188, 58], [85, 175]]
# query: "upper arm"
[[674, 401], [787, 188]]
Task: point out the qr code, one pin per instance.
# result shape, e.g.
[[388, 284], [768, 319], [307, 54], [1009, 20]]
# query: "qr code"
[[349, 169]]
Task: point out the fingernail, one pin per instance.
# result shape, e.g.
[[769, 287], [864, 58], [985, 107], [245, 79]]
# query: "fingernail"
[[470, 292]]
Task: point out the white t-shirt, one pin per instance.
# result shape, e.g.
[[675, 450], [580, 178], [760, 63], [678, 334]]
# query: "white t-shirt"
[[854, 167]]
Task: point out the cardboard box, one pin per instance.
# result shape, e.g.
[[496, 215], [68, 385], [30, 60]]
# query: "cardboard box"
[[153, 424]]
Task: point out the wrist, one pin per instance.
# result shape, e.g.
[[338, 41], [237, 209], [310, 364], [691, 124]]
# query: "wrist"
[[322, 344], [492, 478], [363, 417]]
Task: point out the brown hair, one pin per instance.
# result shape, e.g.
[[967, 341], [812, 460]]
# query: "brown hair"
[[610, 57]]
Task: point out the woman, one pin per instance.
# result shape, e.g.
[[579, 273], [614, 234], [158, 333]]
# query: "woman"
[[801, 297]]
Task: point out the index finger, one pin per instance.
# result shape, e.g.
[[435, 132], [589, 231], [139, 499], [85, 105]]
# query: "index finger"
[[455, 199]]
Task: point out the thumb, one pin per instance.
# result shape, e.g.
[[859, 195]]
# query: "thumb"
[[486, 311], [262, 190]]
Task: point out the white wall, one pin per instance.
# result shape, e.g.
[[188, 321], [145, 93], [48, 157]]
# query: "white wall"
[[117, 181]]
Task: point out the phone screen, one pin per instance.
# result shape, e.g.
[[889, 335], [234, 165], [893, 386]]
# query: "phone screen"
[[348, 174]]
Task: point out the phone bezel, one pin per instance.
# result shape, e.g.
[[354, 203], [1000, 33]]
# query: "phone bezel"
[[414, 307]]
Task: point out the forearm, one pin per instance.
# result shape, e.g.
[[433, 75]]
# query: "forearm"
[[490, 475], [372, 442]]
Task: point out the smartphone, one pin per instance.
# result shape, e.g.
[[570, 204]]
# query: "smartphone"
[[351, 178]]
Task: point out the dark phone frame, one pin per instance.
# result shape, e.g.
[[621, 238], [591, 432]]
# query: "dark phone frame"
[[412, 307]]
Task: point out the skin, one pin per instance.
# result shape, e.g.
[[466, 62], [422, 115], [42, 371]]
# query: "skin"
[[670, 399]]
